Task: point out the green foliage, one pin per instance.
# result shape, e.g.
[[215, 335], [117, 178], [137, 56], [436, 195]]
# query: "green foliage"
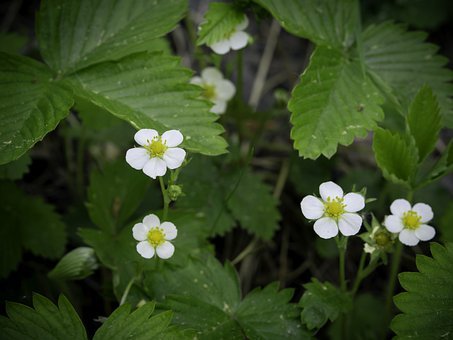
[[219, 21], [75, 265], [15, 169], [333, 103], [45, 321], [446, 224], [12, 43], [206, 296], [75, 34], [27, 223], [427, 304], [444, 165], [322, 302], [31, 104]]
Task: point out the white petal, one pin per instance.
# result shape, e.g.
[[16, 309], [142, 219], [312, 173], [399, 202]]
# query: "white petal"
[[393, 223], [243, 25], [399, 207], [330, 189], [145, 136], [165, 250], [211, 75], [145, 249], [140, 232], [425, 232], [425, 211], [219, 107], [174, 157], [326, 228], [221, 47], [225, 90], [349, 224], [353, 202], [155, 167], [408, 237], [312, 207], [170, 230], [172, 138], [197, 81], [151, 221], [239, 40], [137, 158]]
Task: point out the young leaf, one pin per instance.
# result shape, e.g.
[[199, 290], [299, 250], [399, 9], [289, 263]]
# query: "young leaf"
[[395, 55], [424, 121], [427, 304], [75, 265], [333, 104], [31, 104], [219, 21], [45, 321], [151, 90], [75, 34], [330, 23], [396, 156]]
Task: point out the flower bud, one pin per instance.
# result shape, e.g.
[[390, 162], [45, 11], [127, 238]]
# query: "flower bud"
[[174, 191]]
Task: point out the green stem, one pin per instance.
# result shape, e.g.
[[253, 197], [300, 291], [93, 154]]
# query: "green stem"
[[126, 291], [394, 269], [359, 276], [342, 244], [165, 198]]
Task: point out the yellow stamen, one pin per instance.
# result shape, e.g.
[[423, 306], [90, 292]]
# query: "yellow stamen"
[[209, 92], [156, 236], [156, 148], [334, 208], [411, 220]]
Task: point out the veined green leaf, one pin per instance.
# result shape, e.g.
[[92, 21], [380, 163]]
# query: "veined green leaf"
[[334, 103], [151, 90], [31, 104], [75, 265], [331, 23], [75, 34]]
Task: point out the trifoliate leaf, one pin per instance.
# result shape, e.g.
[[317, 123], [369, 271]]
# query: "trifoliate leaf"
[[427, 304], [15, 169], [31, 104], [395, 55], [333, 103], [75, 34], [45, 321], [396, 156], [75, 265], [220, 20], [330, 23], [151, 90], [322, 302]]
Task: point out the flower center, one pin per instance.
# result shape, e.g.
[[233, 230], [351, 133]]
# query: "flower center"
[[334, 207], [382, 238], [411, 220], [156, 148], [209, 92], [156, 237]]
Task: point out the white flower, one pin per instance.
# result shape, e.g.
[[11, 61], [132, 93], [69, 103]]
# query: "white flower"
[[154, 237], [410, 222], [157, 153], [234, 40], [216, 89], [333, 211]]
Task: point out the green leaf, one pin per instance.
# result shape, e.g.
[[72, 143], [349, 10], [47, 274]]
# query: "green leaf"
[[446, 224], [427, 304], [330, 23], [396, 156], [15, 169], [151, 90], [12, 43], [31, 104], [395, 55], [219, 21], [45, 321], [424, 121], [444, 165], [322, 302], [333, 103], [75, 265], [75, 34]]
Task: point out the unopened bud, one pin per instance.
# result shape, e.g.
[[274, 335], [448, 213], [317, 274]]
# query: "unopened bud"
[[174, 191]]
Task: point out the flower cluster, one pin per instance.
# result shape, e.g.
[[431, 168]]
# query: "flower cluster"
[[234, 40]]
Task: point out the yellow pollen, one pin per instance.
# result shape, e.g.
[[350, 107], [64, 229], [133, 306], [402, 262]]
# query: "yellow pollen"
[[156, 148], [156, 237], [334, 208], [209, 92], [411, 220]]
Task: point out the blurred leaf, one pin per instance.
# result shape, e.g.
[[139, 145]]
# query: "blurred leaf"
[[333, 103], [446, 224], [31, 104], [326, 248], [75, 265], [306, 175], [45, 321], [427, 304], [322, 302], [12, 43], [219, 21], [15, 169], [75, 34], [444, 165], [424, 121]]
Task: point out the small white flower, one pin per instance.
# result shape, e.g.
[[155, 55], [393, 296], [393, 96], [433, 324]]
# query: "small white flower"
[[333, 211], [154, 237], [234, 40], [216, 89], [157, 153], [410, 222]]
